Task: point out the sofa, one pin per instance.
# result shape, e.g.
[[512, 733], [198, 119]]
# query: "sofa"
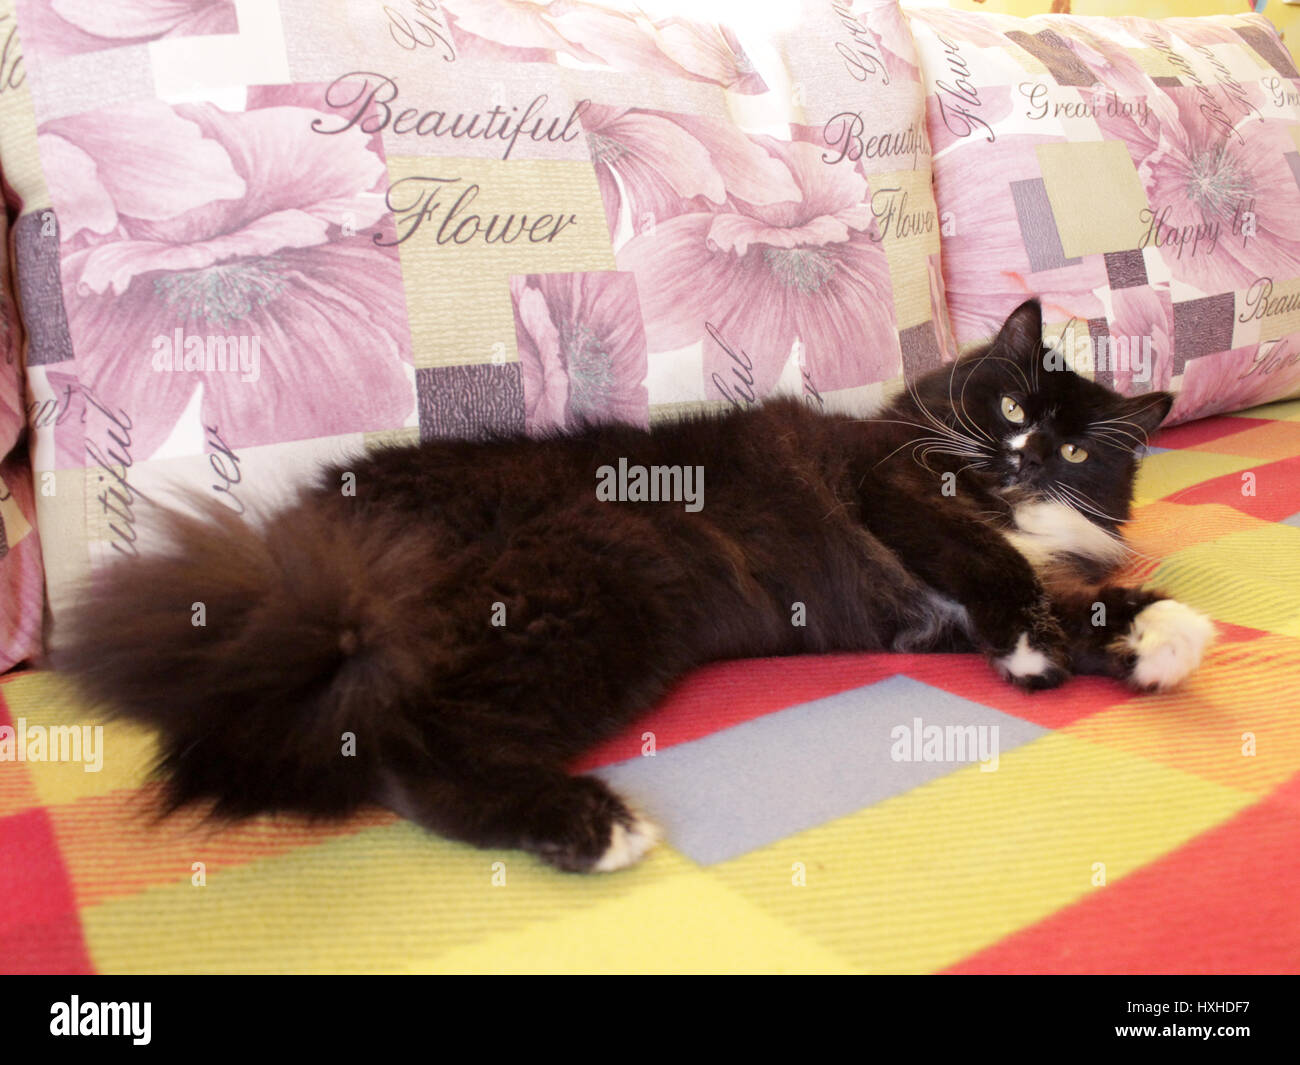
[[249, 238]]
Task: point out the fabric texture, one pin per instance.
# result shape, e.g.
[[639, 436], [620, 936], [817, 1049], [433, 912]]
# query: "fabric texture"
[[1142, 176], [254, 238], [809, 827], [21, 573]]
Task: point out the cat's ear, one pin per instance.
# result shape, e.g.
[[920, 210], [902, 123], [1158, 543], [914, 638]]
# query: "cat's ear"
[[1147, 411], [1021, 335]]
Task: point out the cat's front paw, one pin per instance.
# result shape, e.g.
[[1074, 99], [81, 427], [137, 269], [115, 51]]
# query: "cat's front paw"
[[1033, 664], [1165, 644]]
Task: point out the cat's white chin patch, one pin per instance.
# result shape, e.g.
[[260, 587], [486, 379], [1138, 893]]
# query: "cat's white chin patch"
[[1169, 638], [628, 845]]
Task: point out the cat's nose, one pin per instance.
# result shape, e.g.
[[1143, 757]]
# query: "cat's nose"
[[1034, 453]]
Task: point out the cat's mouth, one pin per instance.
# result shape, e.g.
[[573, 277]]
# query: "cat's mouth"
[[1016, 475], [1018, 485], [1021, 469]]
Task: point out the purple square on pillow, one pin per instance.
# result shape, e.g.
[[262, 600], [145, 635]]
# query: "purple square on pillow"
[[469, 402], [1038, 228], [1202, 327], [36, 247]]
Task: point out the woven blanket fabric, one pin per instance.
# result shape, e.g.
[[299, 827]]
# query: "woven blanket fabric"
[[812, 825]]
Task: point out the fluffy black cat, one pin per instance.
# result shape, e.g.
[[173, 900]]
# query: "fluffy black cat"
[[476, 614]]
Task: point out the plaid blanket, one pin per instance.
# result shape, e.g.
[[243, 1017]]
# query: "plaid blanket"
[[897, 813]]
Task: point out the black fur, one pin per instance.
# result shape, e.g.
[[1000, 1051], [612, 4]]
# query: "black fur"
[[371, 614]]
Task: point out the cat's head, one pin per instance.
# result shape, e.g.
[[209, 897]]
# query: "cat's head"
[[1034, 429]]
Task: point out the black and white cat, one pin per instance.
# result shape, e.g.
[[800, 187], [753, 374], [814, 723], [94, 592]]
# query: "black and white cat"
[[477, 614]]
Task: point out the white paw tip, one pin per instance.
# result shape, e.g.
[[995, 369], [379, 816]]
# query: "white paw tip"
[[628, 844], [1024, 661], [1168, 639]]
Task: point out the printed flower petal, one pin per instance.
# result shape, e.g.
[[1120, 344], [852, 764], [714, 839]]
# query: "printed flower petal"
[[709, 52], [685, 163], [61, 28], [330, 357], [181, 169], [73, 182], [546, 386], [137, 18], [735, 232], [583, 349], [269, 270], [750, 171]]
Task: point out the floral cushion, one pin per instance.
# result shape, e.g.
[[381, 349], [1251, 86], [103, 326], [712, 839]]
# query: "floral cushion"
[[1142, 176], [21, 576], [255, 237]]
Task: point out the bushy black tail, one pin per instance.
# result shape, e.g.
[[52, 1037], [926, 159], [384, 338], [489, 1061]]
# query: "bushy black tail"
[[276, 662]]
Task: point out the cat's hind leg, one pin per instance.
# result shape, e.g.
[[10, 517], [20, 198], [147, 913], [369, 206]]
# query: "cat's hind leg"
[[1141, 637], [575, 823]]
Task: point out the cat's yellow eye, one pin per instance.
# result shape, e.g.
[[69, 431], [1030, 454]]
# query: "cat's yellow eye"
[[1012, 411], [1073, 453]]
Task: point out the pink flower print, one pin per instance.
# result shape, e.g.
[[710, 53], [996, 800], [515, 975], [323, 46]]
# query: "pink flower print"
[[707, 52], [62, 28], [756, 277], [623, 39], [988, 269], [1234, 380], [1222, 200], [886, 21], [1142, 317], [191, 221], [668, 164], [582, 349]]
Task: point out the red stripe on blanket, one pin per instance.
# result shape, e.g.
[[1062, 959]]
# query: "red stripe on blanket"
[[40, 931], [1272, 494], [1222, 903], [1203, 431], [730, 693]]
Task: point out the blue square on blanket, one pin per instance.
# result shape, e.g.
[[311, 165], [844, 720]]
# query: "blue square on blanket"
[[744, 787]]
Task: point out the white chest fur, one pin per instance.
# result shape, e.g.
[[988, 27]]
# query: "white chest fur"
[[1045, 530]]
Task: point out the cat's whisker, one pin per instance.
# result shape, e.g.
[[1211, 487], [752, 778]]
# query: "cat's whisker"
[[959, 408], [1086, 511], [1130, 422], [1099, 427], [1073, 497], [939, 427], [934, 449], [926, 413], [914, 443], [971, 465], [956, 432], [937, 422], [942, 447], [1118, 435], [1128, 547], [961, 399], [961, 446]]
